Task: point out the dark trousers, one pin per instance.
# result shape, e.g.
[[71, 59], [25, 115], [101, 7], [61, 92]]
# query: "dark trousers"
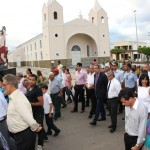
[[50, 125], [92, 96], [25, 140], [79, 93], [4, 131], [63, 100], [57, 104], [69, 94], [87, 97], [100, 109], [42, 134], [113, 107], [130, 141]]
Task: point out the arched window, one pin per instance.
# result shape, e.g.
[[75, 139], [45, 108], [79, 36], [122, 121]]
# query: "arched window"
[[92, 19], [102, 19], [76, 48], [55, 15]]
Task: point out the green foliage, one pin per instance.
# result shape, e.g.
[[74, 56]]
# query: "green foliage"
[[117, 51], [145, 51]]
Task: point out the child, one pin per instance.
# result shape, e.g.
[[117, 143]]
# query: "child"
[[48, 111]]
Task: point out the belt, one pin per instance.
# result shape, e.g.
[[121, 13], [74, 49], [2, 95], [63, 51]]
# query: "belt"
[[21, 131], [2, 119], [112, 98]]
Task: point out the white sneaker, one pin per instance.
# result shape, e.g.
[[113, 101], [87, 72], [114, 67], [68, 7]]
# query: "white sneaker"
[[39, 147]]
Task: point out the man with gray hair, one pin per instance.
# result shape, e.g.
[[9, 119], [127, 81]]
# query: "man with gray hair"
[[21, 122], [113, 89]]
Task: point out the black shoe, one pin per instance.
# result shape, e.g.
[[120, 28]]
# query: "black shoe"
[[64, 106], [82, 111], [123, 118], [93, 123], [90, 116], [102, 119], [112, 130], [45, 139], [49, 132], [55, 118], [57, 132], [73, 111], [110, 126]]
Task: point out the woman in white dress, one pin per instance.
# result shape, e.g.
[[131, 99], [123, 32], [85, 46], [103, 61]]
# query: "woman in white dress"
[[144, 90]]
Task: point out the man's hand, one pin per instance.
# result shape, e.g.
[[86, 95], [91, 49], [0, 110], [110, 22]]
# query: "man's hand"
[[38, 129], [135, 148], [50, 115]]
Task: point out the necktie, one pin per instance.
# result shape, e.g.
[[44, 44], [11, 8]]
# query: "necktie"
[[108, 88]]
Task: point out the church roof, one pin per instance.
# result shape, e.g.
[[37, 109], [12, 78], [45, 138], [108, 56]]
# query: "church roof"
[[96, 6]]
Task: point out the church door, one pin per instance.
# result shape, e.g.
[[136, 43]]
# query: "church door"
[[76, 54]]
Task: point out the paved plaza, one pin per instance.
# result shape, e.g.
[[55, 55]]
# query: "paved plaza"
[[78, 134]]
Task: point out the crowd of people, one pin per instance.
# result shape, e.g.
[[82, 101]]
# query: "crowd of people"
[[26, 99]]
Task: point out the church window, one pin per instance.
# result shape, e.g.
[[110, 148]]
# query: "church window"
[[55, 15], [40, 44], [103, 35], [44, 17], [56, 35], [92, 19], [35, 45], [35, 56], [76, 48], [102, 19], [88, 51], [41, 56]]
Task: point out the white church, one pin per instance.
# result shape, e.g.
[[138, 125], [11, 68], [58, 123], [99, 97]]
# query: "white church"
[[79, 40]]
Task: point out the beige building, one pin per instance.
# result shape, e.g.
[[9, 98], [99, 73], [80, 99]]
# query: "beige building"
[[130, 51], [79, 40]]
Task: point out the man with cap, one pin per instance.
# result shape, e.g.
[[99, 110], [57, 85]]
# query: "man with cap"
[[56, 90], [59, 77], [20, 82]]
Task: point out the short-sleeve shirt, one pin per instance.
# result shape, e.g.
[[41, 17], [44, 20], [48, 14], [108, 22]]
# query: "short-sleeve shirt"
[[55, 86], [32, 97], [130, 79]]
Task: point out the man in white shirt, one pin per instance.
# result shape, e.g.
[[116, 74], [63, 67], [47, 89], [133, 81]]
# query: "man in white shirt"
[[21, 122], [90, 90], [113, 90], [59, 67], [135, 120]]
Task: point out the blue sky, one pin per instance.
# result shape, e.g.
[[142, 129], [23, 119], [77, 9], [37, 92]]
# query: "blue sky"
[[23, 19]]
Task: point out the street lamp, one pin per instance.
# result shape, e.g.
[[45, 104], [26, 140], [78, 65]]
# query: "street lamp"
[[136, 33]]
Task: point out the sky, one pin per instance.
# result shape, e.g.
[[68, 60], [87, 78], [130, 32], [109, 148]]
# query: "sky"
[[23, 18]]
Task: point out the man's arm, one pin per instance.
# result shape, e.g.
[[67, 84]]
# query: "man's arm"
[[39, 103]]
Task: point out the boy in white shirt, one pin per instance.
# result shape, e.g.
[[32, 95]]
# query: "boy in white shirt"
[[48, 111]]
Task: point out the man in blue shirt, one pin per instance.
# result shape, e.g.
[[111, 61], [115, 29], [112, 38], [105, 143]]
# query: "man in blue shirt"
[[56, 90], [130, 78], [3, 125]]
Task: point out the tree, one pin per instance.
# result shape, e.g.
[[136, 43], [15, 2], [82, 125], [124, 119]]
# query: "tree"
[[145, 51], [117, 52]]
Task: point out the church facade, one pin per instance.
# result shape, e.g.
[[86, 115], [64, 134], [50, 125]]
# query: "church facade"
[[79, 40]]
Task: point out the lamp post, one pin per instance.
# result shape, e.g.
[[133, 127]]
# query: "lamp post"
[[136, 33]]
